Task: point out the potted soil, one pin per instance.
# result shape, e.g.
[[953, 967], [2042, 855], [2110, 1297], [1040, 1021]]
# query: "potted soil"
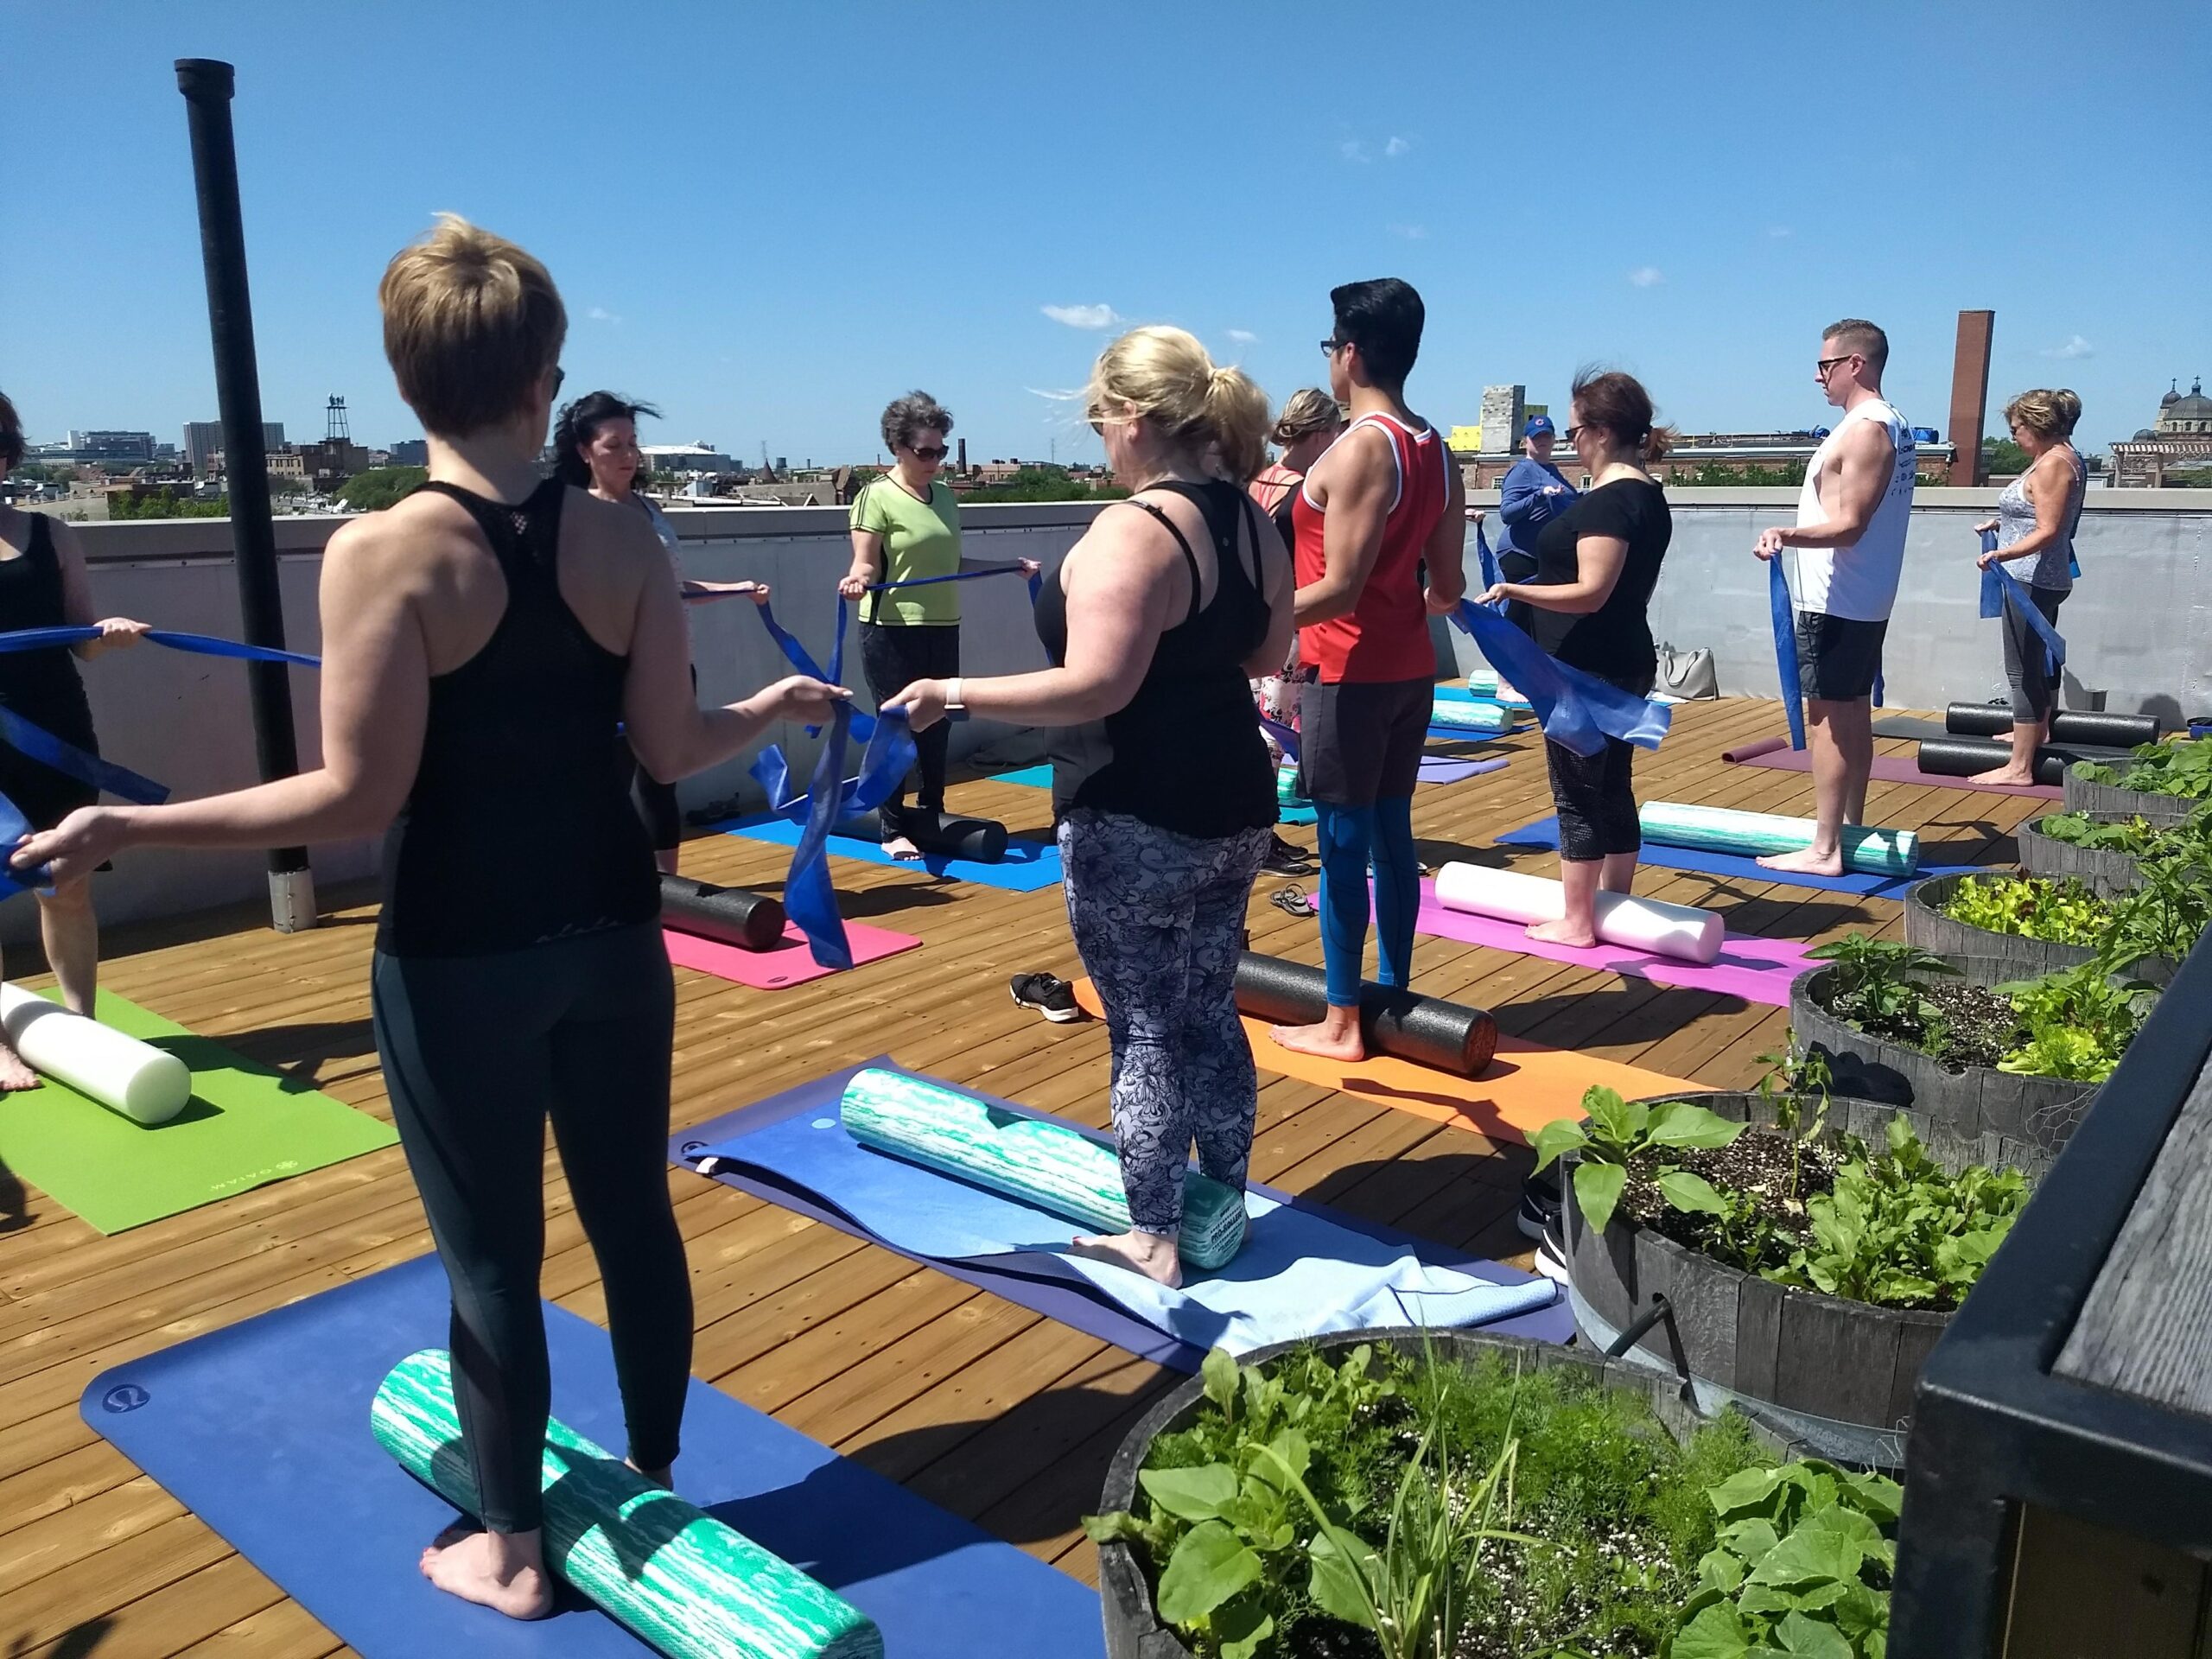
[[1793, 1292], [1906, 1028], [1543, 1499]]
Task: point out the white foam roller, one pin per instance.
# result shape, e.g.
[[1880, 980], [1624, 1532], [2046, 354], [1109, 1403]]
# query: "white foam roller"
[[1680, 930], [145, 1084]]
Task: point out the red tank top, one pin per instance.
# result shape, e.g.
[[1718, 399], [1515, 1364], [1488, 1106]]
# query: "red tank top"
[[1385, 636]]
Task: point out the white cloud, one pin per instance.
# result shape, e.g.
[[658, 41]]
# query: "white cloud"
[[1397, 147], [601, 313], [1355, 149], [1243, 336], [2074, 347], [1411, 232], [1053, 396], [1779, 231], [1647, 276], [1084, 316]]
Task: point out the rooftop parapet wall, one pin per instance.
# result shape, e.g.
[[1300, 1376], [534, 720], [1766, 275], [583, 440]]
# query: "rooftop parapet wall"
[[2139, 628]]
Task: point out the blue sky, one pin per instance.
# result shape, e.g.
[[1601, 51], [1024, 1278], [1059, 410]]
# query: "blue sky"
[[771, 219]]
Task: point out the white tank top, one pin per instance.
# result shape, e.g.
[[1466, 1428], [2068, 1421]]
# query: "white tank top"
[[1860, 581]]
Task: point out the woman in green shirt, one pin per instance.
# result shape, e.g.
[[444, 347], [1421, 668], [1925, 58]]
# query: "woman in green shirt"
[[907, 524]]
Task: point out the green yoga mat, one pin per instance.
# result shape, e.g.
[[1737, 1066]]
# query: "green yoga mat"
[[1723, 830], [244, 1126], [1048, 1165], [668, 1572]]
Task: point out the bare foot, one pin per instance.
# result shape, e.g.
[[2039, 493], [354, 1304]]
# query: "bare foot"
[[2002, 775], [1561, 932], [901, 848], [1807, 862], [1152, 1254], [1327, 1040], [492, 1571], [663, 1479], [15, 1073]]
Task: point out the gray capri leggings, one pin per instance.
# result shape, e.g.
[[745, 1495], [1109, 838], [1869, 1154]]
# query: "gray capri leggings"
[[2026, 672], [1159, 919]]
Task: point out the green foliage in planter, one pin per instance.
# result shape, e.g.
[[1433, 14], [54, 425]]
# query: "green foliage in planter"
[[2061, 912], [2077, 1023], [1616, 1134], [1490, 1508], [2132, 836], [1879, 980], [2181, 769], [1802, 1570]]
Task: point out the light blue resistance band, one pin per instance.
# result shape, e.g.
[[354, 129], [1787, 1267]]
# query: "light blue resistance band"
[[1784, 619], [2001, 587], [1578, 711]]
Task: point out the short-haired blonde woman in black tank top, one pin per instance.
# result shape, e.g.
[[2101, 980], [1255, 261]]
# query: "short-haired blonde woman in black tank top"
[[481, 640]]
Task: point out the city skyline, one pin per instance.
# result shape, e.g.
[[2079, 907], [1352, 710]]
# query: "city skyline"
[[772, 255]]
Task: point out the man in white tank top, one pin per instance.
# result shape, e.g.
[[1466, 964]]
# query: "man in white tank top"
[[1851, 522]]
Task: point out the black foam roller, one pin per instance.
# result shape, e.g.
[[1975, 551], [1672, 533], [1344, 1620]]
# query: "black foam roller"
[[727, 915], [946, 834], [1962, 757], [2067, 726], [1404, 1025]]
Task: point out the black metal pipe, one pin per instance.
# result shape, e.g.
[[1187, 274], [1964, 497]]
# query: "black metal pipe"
[[207, 84]]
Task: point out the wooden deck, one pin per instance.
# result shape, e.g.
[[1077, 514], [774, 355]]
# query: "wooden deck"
[[976, 1404]]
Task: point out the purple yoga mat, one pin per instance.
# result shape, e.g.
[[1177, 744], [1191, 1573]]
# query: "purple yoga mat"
[[1057, 1299], [1437, 769], [1888, 769], [1757, 970]]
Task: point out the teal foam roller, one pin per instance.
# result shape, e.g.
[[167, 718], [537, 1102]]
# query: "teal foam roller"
[[1048, 1165], [1723, 830], [668, 1572], [1470, 716]]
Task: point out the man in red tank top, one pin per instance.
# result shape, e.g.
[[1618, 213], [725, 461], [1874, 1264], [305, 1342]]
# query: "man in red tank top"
[[1384, 504]]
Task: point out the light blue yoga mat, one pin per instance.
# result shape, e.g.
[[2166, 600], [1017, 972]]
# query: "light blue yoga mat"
[[1460, 694], [1041, 778], [1299, 1273], [1027, 866], [1460, 735], [1544, 833]]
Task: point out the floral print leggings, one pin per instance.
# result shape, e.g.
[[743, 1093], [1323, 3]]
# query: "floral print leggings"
[[1158, 918]]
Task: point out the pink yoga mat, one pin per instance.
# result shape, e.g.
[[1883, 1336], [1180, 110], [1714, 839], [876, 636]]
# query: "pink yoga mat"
[[1758, 970], [789, 963], [1776, 754]]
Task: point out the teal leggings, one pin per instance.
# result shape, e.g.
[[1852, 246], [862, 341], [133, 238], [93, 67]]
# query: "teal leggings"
[[1353, 838]]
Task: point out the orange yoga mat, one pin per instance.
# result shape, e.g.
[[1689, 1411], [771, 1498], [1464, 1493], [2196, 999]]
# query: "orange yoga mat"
[[1525, 1087]]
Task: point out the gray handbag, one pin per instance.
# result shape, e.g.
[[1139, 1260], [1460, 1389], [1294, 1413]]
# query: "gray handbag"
[[1688, 674]]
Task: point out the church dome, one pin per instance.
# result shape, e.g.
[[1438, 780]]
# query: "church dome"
[[2173, 395], [2147, 433], [2191, 412]]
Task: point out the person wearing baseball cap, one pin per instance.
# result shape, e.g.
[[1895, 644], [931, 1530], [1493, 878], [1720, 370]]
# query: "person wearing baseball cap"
[[1532, 493]]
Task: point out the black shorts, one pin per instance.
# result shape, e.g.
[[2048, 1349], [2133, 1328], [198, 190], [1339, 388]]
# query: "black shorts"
[[1359, 741], [1839, 657]]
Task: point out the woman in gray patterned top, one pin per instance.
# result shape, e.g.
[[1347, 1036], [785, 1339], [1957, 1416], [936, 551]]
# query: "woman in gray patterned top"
[[2035, 521]]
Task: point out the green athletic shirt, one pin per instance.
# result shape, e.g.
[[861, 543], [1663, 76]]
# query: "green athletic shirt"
[[920, 538]]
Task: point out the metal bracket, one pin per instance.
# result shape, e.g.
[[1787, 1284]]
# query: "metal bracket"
[[1661, 1312]]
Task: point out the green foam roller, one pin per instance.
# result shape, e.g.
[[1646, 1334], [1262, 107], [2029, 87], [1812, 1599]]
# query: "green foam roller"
[[1723, 830], [1047, 1165], [1482, 682], [1470, 716], [1287, 787], [668, 1572]]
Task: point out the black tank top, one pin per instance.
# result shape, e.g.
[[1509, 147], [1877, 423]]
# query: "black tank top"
[[42, 686], [518, 830], [1185, 754]]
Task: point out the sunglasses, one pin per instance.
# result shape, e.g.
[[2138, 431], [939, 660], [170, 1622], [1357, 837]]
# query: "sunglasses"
[[1332, 345], [1822, 366], [560, 374], [935, 452]]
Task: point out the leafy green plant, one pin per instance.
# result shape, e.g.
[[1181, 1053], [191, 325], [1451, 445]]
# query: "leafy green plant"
[[2078, 1022], [1783, 1085], [2164, 914], [1617, 1135], [2062, 911], [1803, 1567], [2181, 769], [2131, 835], [1881, 981]]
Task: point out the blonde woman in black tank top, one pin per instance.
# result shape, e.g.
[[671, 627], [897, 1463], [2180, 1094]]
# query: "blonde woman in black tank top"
[[480, 641]]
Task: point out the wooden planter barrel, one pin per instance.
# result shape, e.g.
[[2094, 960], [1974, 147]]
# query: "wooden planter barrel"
[[1926, 926], [1968, 1103], [2111, 801], [1834, 1374], [1134, 1630], [2107, 874]]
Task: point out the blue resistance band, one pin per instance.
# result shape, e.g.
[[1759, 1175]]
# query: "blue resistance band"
[[2001, 587], [1036, 582], [1493, 573], [1784, 619], [204, 645], [1578, 711]]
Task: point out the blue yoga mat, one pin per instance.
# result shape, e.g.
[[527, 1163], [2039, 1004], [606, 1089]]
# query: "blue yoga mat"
[[1027, 866], [262, 1430], [1038, 777], [1544, 833], [1460, 734], [1304, 1271]]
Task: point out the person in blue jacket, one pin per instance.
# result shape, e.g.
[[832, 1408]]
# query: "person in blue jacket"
[[1532, 493]]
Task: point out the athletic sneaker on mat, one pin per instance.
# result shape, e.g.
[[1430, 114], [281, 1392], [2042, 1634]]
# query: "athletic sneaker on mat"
[[1541, 1197], [1287, 858], [1050, 995], [1551, 1256]]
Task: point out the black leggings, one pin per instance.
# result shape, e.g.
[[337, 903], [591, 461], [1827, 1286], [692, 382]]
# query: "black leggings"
[[1595, 796], [478, 1052], [2027, 667], [894, 658]]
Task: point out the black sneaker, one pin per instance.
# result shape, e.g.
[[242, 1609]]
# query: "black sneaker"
[[1287, 858], [1551, 1256], [1050, 996], [1540, 1205]]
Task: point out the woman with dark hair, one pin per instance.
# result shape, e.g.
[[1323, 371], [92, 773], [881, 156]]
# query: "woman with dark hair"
[[1597, 563], [596, 449], [906, 525], [42, 585], [480, 639]]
